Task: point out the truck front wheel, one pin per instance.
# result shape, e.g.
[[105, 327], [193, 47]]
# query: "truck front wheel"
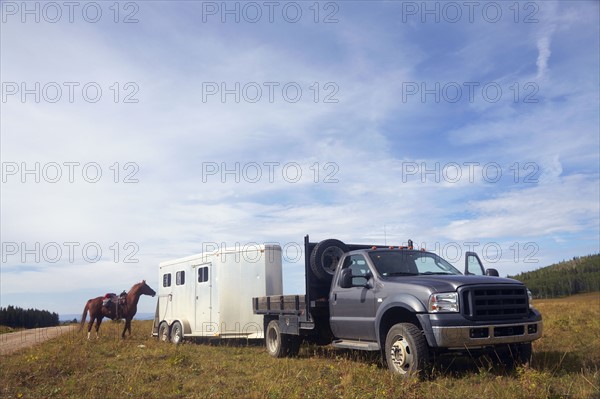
[[406, 351], [514, 355], [523, 353], [278, 344]]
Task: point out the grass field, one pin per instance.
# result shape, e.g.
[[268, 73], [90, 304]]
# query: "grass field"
[[566, 364]]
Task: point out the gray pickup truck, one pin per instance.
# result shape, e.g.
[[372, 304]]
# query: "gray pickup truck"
[[410, 304]]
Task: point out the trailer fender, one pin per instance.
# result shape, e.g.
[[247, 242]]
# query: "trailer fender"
[[187, 329]]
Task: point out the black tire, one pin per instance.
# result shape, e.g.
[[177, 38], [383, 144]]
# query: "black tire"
[[524, 353], [176, 333], [278, 344], [325, 256], [514, 355], [406, 351], [164, 332], [294, 343]]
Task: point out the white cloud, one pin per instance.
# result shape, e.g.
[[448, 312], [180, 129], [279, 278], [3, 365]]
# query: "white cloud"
[[544, 53], [559, 205]]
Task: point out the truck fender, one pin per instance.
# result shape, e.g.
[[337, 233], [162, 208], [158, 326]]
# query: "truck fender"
[[405, 302], [289, 324]]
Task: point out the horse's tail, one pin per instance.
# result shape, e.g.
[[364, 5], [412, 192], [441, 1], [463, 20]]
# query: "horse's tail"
[[84, 315]]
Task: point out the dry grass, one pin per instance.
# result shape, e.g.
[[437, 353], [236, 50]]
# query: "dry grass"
[[7, 329], [566, 364]]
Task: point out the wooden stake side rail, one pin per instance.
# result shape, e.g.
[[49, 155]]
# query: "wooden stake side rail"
[[280, 304]]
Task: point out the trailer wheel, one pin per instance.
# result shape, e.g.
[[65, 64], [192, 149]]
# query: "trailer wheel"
[[278, 344], [325, 257], [163, 332], [176, 333], [406, 351]]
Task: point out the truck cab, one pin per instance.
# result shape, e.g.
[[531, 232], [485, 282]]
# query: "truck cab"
[[373, 290]]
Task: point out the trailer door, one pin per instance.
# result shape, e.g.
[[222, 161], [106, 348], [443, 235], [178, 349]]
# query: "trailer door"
[[203, 299]]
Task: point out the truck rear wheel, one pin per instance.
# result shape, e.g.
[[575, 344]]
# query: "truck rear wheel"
[[278, 344], [406, 350], [325, 257], [294, 343]]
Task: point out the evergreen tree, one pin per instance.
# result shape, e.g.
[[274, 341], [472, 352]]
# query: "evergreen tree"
[[17, 317], [580, 274]]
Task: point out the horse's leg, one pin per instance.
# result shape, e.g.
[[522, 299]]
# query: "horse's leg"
[[98, 321], [90, 324], [125, 329]]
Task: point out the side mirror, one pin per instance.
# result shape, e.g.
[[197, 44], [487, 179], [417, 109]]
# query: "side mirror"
[[346, 278], [492, 272]]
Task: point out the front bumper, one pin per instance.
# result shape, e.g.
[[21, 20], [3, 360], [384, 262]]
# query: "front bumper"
[[455, 332]]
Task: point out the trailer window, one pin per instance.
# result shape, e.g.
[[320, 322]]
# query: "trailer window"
[[180, 277], [167, 280], [203, 274]]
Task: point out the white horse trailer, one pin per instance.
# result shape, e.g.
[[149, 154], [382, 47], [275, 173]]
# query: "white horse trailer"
[[210, 294]]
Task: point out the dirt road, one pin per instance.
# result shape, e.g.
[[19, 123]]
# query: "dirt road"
[[12, 342]]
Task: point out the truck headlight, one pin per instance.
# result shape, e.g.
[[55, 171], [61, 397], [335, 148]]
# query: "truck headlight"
[[530, 299], [443, 302]]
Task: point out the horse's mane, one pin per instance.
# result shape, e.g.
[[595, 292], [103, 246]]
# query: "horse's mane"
[[136, 286]]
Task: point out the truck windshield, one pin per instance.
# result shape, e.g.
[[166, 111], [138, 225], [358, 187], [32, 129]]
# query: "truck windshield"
[[409, 263]]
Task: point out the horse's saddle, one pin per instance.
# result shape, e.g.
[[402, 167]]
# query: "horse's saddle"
[[111, 299]]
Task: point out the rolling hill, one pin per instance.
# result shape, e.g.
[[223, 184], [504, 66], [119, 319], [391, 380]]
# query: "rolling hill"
[[580, 274]]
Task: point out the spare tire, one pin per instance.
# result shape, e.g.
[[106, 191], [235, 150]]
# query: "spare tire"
[[325, 256]]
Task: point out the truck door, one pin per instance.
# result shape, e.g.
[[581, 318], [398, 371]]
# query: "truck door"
[[352, 310], [203, 299]]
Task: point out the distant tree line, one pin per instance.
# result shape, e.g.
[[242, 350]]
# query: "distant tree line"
[[580, 274], [17, 317]]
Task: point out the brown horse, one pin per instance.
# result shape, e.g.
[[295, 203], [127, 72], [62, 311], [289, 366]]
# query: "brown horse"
[[126, 311]]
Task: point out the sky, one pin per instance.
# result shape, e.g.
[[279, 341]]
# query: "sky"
[[138, 132]]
